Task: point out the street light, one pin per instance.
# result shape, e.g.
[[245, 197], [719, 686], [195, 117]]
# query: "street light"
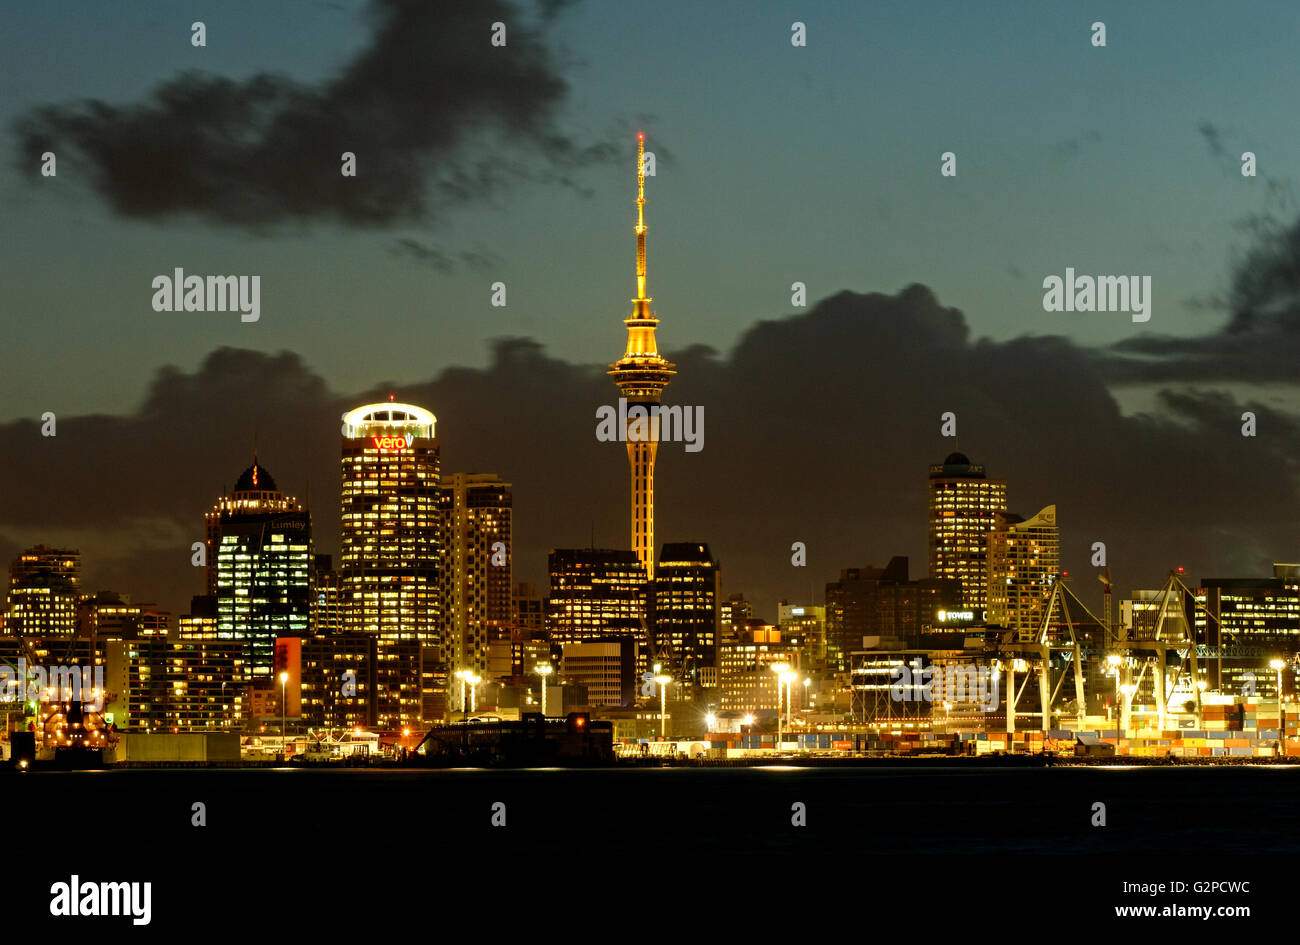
[[781, 669], [1278, 665], [284, 687], [807, 683], [663, 680], [473, 679], [543, 670], [462, 675], [788, 677], [710, 720]]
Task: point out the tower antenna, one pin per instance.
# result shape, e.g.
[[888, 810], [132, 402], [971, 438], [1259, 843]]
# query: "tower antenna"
[[640, 218]]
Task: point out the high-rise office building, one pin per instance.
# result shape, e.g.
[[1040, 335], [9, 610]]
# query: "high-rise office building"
[[598, 594], [963, 503], [686, 610], [476, 513], [44, 586], [261, 541], [1024, 561], [641, 375], [391, 547]]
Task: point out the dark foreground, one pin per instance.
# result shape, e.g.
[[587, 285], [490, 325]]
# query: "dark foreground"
[[940, 840]]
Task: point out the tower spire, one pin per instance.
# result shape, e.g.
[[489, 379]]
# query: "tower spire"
[[642, 303]]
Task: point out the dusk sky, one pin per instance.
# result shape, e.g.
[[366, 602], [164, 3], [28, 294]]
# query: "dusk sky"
[[775, 164]]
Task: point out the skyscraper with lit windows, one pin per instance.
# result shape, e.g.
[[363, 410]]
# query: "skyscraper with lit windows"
[[1024, 558], [686, 610], [390, 545], [476, 510], [963, 504], [43, 592], [598, 594], [260, 555]]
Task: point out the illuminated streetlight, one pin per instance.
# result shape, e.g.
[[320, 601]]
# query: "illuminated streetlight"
[[284, 688], [1279, 665], [663, 680], [462, 675], [781, 670], [473, 679], [543, 670], [709, 721], [788, 677]]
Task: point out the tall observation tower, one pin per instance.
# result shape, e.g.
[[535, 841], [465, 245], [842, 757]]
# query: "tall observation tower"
[[641, 375]]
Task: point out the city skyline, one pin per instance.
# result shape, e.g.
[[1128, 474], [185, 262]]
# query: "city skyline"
[[352, 512]]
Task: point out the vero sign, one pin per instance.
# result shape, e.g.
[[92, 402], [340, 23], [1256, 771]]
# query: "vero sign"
[[392, 442]]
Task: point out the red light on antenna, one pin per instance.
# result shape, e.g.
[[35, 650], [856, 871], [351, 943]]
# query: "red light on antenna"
[[1180, 569], [640, 136], [1065, 574]]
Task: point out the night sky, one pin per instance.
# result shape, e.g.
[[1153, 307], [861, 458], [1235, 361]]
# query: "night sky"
[[774, 164]]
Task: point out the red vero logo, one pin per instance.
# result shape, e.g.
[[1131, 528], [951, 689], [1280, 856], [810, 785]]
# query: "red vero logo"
[[392, 442]]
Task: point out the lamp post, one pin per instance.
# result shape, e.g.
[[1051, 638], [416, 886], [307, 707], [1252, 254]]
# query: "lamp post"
[[781, 669], [1278, 666], [788, 677], [543, 670], [284, 687], [663, 681], [473, 679], [463, 675], [807, 682]]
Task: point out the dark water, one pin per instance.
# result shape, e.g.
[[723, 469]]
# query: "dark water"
[[906, 832]]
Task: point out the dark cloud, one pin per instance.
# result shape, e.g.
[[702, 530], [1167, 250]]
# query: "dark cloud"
[[435, 115], [1260, 341], [818, 428]]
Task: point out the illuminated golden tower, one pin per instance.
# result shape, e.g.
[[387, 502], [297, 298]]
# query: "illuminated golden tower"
[[641, 375]]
